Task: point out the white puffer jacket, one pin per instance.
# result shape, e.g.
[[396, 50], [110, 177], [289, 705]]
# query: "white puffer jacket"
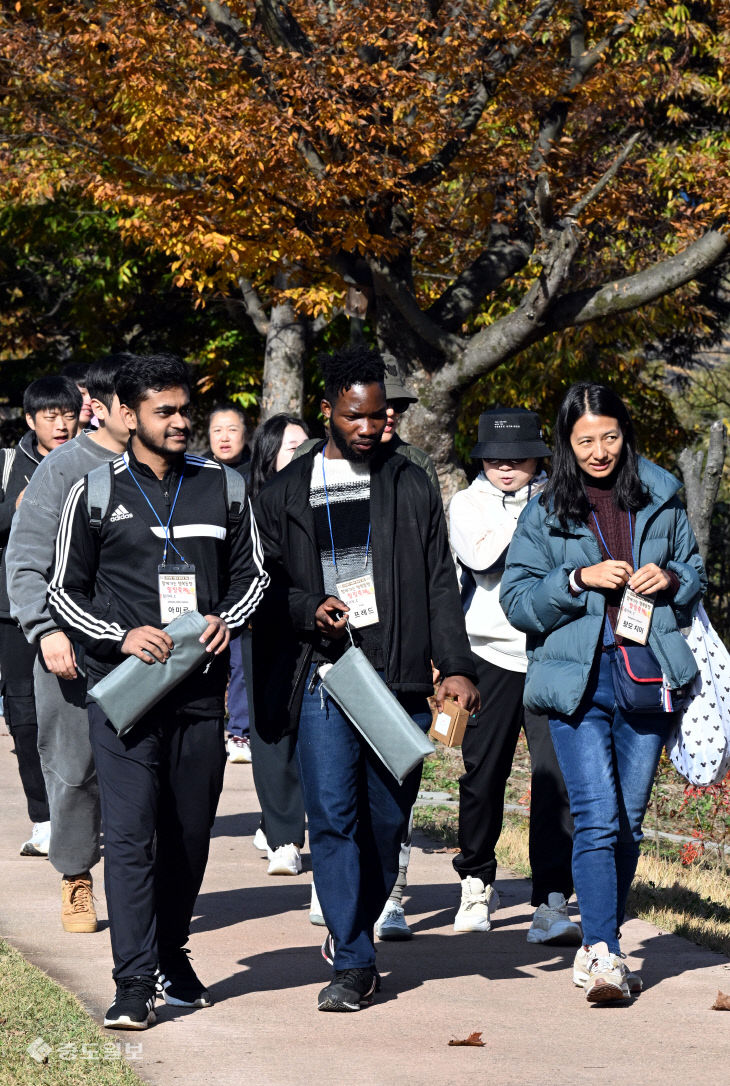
[[482, 521]]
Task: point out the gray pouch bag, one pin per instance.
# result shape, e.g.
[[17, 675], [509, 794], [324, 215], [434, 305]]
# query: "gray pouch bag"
[[132, 688], [376, 712]]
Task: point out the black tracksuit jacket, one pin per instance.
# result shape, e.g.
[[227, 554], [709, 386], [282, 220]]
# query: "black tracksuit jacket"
[[105, 582], [415, 586], [25, 462]]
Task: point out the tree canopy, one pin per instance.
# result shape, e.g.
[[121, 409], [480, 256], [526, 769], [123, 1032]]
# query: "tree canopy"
[[485, 174]]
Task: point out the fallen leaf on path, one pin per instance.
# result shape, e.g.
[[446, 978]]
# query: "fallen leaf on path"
[[722, 1003], [440, 851], [474, 1040]]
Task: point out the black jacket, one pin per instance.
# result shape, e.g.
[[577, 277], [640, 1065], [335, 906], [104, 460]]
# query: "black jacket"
[[415, 586], [104, 582], [16, 479]]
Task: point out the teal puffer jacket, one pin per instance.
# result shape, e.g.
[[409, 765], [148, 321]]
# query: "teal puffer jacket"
[[563, 631]]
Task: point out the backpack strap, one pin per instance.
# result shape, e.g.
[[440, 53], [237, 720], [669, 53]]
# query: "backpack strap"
[[235, 491], [8, 461], [98, 494]]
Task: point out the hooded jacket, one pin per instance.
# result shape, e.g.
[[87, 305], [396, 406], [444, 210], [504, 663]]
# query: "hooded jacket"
[[415, 585], [563, 630], [482, 521]]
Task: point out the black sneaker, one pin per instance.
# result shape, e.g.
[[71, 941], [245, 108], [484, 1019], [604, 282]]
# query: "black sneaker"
[[133, 1007], [178, 984], [348, 990]]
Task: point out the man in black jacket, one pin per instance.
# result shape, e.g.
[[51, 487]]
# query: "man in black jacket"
[[51, 406], [171, 541], [354, 534]]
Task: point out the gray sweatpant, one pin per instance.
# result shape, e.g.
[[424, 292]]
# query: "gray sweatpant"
[[68, 770]]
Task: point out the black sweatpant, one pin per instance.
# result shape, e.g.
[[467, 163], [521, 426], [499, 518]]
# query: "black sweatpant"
[[275, 773], [159, 789], [17, 657], [488, 749]]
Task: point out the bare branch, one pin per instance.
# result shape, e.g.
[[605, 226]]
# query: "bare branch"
[[498, 62], [625, 295], [282, 28], [497, 263], [607, 177], [448, 346], [581, 66], [253, 306], [513, 332]]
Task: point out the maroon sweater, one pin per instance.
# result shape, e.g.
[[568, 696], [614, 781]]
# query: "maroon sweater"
[[616, 543]]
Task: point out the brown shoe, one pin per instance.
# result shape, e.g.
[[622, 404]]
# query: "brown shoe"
[[77, 903]]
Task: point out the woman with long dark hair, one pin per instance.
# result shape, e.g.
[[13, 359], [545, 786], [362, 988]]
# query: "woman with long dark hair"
[[273, 447], [275, 772], [607, 525]]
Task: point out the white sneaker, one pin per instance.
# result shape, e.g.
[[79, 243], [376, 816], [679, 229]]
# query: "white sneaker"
[[315, 910], [391, 924], [259, 841], [285, 860], [551, 924], [603, 975], [239, 749], [39, 841], [477, 901]]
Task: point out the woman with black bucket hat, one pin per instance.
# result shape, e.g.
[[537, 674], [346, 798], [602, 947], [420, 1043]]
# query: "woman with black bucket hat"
[[483, 519]]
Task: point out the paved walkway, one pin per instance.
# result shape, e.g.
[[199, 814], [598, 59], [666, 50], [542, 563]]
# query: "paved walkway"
[[253, 945]]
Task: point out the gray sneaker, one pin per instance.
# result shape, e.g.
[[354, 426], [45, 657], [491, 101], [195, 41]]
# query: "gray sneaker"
[[552, 925], [391, 924]]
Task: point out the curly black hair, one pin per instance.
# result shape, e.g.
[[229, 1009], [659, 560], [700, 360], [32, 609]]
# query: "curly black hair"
[[348, 366]]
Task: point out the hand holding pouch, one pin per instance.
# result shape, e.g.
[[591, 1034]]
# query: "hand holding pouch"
[[377, 714], [134, 687]]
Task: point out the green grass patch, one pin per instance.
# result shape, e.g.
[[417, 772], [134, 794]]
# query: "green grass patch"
[[48, 1039]]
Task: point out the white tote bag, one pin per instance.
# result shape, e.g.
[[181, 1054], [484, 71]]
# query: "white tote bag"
[[699, 745]]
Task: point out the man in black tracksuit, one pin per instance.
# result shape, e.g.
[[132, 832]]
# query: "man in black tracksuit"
[[349, 511], [160, 784], [51, 406]]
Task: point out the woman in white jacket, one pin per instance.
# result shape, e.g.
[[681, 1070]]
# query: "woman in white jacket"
[[482, 522]]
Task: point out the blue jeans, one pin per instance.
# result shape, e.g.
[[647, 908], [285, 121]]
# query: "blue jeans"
[[357, 813], [608, 760], [238, 694]]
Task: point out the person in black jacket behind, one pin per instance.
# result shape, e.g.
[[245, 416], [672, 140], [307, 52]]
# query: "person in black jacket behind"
[[51, 405], [169, 531], [351, 510]]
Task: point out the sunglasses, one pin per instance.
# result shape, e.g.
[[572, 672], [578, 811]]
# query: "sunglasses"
[[508, 463]]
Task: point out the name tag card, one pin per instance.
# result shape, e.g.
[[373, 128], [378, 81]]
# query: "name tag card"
[[178, 593], [359, 595], [634, 617]]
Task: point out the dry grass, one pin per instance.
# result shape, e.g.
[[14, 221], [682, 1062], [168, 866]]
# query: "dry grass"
[[690, 900]]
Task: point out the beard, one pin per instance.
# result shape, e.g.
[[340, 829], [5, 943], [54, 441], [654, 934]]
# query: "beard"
[[153, 444], [347, 451]]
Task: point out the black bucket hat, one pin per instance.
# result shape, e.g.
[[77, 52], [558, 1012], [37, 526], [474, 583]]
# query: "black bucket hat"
[[512, 433], [394, 387]]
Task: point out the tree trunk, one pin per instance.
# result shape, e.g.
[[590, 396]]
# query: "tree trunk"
[[430, 425], [701, 487], [286, 347]]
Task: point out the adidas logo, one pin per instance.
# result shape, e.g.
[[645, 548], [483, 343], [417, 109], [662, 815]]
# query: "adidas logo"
[[120, 513]]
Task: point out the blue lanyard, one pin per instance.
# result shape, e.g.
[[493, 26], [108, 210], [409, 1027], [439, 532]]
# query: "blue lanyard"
[[631, 535], [165, 527], [329, 521]]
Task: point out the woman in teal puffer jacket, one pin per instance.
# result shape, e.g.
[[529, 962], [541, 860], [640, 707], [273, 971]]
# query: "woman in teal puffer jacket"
[[607, 519]]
